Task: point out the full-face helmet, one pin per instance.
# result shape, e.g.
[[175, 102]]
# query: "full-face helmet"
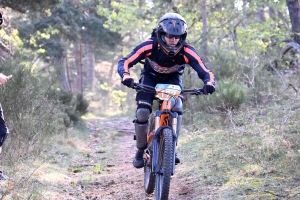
[[171, 24]]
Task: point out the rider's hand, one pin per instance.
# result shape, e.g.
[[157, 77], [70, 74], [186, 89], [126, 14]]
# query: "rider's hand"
[[208, 88], [127, 80]]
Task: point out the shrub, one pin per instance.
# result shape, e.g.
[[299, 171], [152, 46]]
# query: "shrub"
[[30, 116], [74, 107], [229, 95]]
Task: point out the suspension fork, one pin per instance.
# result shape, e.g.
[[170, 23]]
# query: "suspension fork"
[[160, 118]]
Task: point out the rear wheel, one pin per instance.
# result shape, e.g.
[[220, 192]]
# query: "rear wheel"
[[164, 165], [149, 179]]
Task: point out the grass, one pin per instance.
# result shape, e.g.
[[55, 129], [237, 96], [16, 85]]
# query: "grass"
[[69, 153], [257, 159], [253, 153]]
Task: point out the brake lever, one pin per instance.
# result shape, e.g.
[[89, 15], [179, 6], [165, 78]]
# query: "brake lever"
[[199, 91]]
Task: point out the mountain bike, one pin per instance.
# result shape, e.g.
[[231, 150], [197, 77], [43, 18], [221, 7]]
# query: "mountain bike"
[[162, 138]]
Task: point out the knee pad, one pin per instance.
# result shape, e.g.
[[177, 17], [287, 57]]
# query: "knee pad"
[[142, 115], [177, 107]]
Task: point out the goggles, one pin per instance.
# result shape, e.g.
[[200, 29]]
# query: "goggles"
[[171, 36]]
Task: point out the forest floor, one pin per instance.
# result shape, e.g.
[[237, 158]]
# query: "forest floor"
[[102, 167], [96, 163]]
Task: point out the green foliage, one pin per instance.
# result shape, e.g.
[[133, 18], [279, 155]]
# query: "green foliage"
[[253, 162], [51, 34], [225, 64], [113, 100], [81, 105], [94, 31], [119, 97], [31, 118], [119, 14], [74, 107], [259, 145], [65, 97], [243, 53], [28, 5], [229, 95], [77, 170], [123, 18]]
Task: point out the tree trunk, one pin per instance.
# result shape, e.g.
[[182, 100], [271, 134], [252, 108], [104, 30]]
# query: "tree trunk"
[[204, 31], [141, 4], [90, 66], [244, 14], [294, 11], [68, 72], [78, 66], [272, 12], [261, 13], [63, 76]]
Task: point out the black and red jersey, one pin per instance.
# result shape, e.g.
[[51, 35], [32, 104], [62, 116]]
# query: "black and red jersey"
[[163, 64]]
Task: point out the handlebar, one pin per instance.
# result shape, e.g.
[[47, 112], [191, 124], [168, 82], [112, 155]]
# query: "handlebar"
[[151, 89]]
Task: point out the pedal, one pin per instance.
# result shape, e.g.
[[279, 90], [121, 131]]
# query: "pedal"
[[147, 157]]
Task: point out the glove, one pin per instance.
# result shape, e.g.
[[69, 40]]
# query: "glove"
[[128, 82], [208, 88]]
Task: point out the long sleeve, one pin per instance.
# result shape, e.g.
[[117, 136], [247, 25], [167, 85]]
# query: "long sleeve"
[[192, 58], [139, 53]]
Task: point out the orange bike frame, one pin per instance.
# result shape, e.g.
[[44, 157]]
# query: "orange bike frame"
[[163, 120]]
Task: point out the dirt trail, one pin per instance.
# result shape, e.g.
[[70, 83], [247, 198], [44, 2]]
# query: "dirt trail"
[[120, 180]]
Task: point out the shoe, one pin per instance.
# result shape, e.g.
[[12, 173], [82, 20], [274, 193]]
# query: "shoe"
[[3, 177], [177, 160], [138, 161]]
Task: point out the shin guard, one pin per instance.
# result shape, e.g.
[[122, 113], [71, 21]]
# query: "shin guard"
[[141, 131]]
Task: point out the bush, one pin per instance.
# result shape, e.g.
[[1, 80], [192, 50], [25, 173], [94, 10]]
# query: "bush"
[[229, 95], [31, 118], [224, 64], [73, 107]]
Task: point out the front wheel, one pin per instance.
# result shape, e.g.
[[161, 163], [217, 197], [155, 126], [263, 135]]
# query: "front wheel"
[[164, 165]]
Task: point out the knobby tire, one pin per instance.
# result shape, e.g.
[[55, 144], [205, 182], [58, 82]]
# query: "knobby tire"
[[149, 179], [165, 163]]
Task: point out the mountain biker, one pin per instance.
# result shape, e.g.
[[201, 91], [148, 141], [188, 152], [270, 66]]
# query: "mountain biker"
[[165, 54], [3, 127]]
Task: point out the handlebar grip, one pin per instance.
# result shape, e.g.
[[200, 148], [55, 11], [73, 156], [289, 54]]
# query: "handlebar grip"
[[134, 85]]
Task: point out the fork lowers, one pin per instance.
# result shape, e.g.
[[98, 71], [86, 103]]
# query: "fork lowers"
[[174, 124], [178, 127]]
